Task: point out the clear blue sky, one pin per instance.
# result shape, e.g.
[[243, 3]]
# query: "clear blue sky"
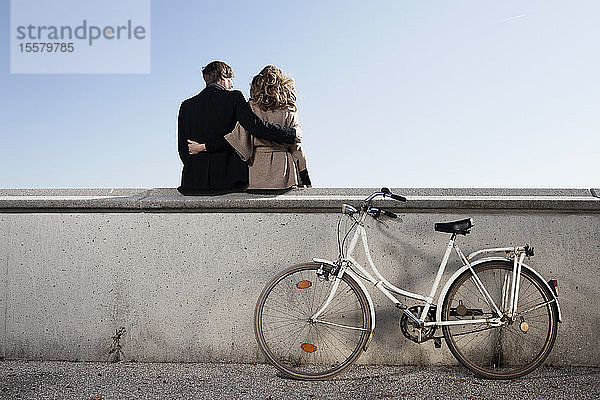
[[399, 93]]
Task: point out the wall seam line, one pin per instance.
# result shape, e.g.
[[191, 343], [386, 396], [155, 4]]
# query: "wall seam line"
[[5, 322]]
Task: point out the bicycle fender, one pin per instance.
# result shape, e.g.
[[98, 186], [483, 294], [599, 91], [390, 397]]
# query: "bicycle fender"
[[362, 287], [455, 276]]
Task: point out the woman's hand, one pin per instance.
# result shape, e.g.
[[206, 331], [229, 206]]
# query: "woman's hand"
[[195, 147]]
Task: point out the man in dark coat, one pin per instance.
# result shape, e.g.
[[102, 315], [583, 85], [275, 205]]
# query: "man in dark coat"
[[206, 118]]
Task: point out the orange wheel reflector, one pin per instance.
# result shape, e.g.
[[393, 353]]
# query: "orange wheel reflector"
[[304, 284], [309, 348]]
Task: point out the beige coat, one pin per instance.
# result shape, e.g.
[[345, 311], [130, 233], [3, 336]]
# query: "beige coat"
[[271, 165]]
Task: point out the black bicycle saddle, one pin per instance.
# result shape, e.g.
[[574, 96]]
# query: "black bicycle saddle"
[[461, 227]]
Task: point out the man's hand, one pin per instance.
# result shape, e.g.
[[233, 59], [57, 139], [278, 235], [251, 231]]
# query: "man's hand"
[[195, 147]]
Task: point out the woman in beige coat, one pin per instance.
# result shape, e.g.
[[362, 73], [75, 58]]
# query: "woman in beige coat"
[[272, 165]]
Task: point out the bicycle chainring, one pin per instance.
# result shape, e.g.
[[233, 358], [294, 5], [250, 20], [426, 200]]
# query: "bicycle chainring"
[[411, 330]]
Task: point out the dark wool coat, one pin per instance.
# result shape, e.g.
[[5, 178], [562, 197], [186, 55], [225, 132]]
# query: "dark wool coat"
[[206, 118]]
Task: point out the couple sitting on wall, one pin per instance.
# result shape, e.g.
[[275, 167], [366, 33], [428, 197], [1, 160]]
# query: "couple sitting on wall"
[[227, 144]]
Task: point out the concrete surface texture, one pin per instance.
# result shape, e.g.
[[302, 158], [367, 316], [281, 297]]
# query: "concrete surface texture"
[[182, 274], [104, 381]]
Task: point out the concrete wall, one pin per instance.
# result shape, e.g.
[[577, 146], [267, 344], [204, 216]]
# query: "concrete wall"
[[182, 274]]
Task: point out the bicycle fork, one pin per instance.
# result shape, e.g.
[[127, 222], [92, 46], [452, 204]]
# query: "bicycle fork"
[[336, 283], [332, 292]]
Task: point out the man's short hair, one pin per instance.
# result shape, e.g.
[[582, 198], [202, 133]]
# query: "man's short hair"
[[216, 70]]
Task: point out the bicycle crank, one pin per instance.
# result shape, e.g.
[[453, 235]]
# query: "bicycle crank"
[[413, 330]]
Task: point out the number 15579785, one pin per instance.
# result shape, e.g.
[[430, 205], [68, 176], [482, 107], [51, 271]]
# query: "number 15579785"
[[42, 47]]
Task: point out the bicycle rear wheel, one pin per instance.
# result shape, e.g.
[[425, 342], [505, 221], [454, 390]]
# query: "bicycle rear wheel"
[[311, 350], [519, 345]]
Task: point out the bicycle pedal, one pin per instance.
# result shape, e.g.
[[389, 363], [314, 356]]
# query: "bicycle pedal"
[[437, 342]]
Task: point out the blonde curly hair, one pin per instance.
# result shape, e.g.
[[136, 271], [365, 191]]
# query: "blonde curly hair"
[[272, 90]]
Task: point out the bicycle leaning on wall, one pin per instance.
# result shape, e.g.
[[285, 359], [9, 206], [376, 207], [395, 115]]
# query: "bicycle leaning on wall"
[[498, 316]]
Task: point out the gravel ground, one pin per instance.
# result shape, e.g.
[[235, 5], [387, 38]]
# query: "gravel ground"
[[94, 381]]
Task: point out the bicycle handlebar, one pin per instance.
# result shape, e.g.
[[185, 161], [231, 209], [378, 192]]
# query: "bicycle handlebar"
[[389, 214], [386, 192], [397, 197], [376, 212]]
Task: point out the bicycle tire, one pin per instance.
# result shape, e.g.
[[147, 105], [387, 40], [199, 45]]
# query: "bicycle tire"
[[513, 349], [301, 349]]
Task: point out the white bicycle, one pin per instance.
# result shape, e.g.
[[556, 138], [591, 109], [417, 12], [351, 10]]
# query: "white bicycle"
[[498, 316]]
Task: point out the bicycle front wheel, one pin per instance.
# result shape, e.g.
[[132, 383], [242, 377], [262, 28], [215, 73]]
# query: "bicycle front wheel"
[[306, 349], [516, 347]]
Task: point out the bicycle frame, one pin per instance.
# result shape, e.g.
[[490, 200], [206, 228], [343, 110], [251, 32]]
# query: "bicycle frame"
[[348, 263]]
